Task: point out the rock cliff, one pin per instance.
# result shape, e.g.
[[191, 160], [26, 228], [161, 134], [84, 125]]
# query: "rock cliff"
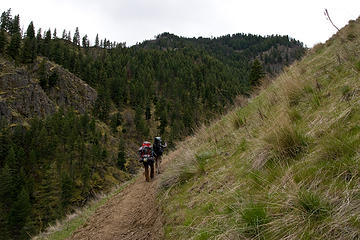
[[22, 97]]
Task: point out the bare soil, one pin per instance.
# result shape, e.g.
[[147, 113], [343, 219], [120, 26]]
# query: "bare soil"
[[131, 214]]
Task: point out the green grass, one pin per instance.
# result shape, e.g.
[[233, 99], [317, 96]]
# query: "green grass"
[[70, 225], [286, 166]]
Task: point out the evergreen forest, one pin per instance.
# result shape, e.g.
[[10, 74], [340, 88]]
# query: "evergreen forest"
[[167, 86]]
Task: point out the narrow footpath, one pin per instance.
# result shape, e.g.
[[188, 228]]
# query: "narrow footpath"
[[132, 214]]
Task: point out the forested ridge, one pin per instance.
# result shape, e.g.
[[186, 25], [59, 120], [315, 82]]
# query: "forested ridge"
[[167, 86]]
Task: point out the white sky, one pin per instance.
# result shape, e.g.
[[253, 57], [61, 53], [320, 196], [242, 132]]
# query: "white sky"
[[133, 21]]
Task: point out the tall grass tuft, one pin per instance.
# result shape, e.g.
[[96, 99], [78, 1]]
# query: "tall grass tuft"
[[254, 217], [313, 205], [286, 141]]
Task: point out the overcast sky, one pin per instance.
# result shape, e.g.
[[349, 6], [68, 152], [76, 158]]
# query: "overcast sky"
[[133, 21]]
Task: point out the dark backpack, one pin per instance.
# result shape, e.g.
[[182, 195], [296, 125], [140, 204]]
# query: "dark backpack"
[[158, 148]]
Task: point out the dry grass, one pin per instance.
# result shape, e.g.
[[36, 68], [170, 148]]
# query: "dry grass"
[[283, 166]]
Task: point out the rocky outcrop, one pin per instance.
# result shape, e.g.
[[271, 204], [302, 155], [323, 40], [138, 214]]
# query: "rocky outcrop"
[[22, 97], [70, 91]]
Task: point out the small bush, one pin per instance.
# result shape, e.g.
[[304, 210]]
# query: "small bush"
[[201, 160], [239, 120], [351, 36], [313, 205], [286, 142], [254, 216], [185, 175], [345, 90], [339, 145], [294, 115], [357, 65]]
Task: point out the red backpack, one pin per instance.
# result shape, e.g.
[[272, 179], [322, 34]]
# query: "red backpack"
[[146, 152]]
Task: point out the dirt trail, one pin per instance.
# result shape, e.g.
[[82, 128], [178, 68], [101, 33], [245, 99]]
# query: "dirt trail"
[[131, 214]]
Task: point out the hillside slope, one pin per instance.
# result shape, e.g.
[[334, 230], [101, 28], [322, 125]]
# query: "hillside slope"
[[285, 166], [23, 95]]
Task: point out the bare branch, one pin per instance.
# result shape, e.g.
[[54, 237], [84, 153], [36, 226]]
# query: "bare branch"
[[326, 13]]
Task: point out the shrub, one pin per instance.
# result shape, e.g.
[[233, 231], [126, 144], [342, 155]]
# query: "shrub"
[[313, 205], [239, 120], [286, 142], [254, 216], [338, 145]]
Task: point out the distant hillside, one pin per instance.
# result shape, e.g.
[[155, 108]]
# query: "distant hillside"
[[73, 115], [285, 165], [40, 91], [236, 50]]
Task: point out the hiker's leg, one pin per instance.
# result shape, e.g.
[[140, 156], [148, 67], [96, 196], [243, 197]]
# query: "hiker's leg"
[[157, 164], [152, 170], [146, 166]]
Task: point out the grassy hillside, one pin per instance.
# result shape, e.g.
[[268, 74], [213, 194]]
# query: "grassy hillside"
[[285, 166]]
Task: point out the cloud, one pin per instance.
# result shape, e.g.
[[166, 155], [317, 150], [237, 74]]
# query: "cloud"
[[133, 21]]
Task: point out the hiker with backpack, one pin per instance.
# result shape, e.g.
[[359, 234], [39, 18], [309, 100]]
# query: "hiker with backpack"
[[158, 148], [146, 155]]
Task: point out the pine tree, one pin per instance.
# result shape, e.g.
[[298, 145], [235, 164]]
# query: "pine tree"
[[47, 43], [48, 196], [76, 39], [256, 73], [55, 34], [102, 104], [140, 124], [64, 35], [29, 50], [85, 41], [121, 159], [6, 21], [19, 213], [15, 27], [67, 189], [97, 40], [14, 46], [7, 187], [43, 75], [147, 112], [3, 41], [69, 36]]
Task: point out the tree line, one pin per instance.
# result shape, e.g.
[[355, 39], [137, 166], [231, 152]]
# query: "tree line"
[[167, 86]]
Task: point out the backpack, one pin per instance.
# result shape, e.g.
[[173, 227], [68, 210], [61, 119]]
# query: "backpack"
[[158, 147], [146, 152]]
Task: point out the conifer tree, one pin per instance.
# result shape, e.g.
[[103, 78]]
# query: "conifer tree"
[[29, 50], [256, 73], [102, 104], [55, 34], [46, 44], [121, 159], [76, 39], [85, 41], [64, 35], [15, 26], [6, 20], [14, 46], [3, 41], [69, 36], [43, 75], [19, 213], [97, 40], [147, 112]]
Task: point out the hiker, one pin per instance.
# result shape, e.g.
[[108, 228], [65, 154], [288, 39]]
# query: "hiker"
[[146, 155], [158, 148]]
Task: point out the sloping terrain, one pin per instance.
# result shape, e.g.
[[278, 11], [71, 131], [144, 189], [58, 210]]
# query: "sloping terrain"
[[132, 214], [22, 97], [285, 166]]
